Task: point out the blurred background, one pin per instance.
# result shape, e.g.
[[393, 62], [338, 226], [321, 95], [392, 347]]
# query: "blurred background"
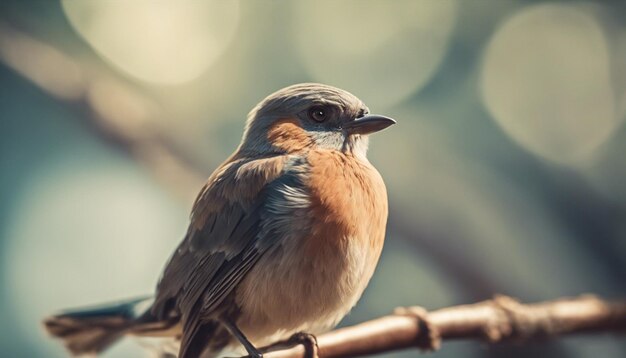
[[506, 171]]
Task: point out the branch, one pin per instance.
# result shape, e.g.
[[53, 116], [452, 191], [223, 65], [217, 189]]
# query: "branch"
[[500, 319]]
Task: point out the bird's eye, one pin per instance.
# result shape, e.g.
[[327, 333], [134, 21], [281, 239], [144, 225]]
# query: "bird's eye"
[[319, 113]]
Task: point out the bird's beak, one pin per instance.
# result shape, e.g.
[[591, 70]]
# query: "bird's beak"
[[368, 124]]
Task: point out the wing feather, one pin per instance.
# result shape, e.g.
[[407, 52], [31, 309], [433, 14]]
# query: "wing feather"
[[221, 245]]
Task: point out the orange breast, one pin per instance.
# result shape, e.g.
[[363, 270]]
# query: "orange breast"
[[349, 200]]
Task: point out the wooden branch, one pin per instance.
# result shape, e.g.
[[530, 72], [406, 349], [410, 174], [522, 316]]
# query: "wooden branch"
[[500, 319]]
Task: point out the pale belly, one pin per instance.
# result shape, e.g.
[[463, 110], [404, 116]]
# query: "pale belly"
[[296, 288]]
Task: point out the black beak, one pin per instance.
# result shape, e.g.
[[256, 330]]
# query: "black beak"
[[368, 124]]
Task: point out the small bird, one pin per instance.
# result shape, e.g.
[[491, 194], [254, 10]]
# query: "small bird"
[[283, 237]]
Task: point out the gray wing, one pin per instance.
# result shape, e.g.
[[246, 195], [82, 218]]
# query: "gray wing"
[[218, 252], [208, 259]]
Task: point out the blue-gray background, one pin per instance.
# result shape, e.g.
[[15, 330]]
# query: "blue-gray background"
[[506, 172]]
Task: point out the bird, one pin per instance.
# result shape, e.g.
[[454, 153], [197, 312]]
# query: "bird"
[[283, 237]]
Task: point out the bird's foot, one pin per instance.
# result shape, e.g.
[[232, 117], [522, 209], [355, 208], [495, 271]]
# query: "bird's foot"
[[253, 353], [307, 340]]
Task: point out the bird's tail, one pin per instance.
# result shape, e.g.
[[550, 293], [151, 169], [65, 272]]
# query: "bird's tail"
[[92, 330]]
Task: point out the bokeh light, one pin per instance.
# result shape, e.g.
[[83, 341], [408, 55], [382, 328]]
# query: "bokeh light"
[[546, 80], [83, 234], [385, 51], [166, 42]]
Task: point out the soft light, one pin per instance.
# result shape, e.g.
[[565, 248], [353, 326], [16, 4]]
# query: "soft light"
[[382, 51], [85, 235], [546, 81], [165, 42]]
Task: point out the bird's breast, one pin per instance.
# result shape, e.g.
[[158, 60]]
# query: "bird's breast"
[[316, 275], [348, 198]]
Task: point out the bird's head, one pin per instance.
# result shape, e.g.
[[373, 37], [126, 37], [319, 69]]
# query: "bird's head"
[[309, 116]]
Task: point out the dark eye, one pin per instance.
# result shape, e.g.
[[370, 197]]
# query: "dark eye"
[[319, 113]]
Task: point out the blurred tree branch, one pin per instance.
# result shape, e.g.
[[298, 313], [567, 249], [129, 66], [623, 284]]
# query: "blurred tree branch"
[[474, 283], [497, 320], [115, 111]]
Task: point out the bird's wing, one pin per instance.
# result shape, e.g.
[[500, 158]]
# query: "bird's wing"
[[234, 221]]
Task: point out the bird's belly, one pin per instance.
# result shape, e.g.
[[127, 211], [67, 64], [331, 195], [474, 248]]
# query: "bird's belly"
[[300, 288]]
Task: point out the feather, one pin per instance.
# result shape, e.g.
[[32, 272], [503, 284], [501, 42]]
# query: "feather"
[[224, 241]]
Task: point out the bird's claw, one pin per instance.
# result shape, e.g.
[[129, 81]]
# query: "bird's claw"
[[308, 340]]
